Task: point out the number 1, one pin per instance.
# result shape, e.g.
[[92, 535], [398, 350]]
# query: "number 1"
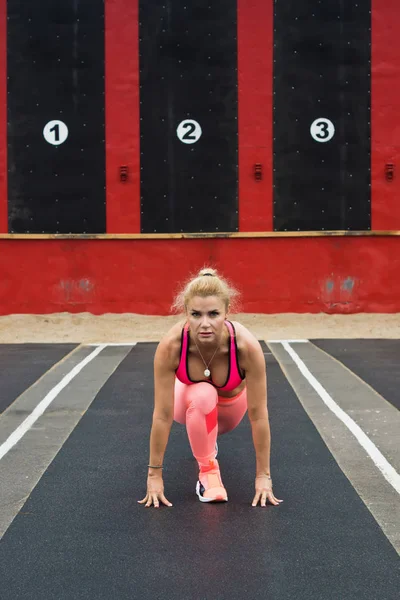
[[56, 130]]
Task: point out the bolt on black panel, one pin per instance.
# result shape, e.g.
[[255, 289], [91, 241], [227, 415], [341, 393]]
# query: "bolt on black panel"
[[56, 78], [322, 75], [188, 79]]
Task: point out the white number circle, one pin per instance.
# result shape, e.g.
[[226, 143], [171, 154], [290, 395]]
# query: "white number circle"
[[322, 130], [189, 131], [55, 132]]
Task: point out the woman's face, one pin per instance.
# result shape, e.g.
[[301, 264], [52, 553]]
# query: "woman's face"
[[206, 318]]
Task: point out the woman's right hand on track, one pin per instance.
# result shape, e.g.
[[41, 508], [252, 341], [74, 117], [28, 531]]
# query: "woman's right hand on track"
[[155, 492]]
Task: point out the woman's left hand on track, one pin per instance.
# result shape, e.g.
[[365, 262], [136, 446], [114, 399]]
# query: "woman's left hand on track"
[[155, 492], [264, 492]]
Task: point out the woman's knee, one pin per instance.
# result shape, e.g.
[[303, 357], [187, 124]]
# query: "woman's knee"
[[202, 396]]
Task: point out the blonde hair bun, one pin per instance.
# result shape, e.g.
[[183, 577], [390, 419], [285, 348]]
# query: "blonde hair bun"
[[203, 286], [204, 272]]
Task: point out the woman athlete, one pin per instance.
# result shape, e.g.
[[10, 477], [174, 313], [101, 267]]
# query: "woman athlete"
[[207, 372]]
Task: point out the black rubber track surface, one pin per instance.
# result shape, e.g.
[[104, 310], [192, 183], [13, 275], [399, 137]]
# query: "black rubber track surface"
[[82, 535], [23, 364], [375, 361]]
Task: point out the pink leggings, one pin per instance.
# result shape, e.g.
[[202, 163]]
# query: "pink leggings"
[[206, 415]]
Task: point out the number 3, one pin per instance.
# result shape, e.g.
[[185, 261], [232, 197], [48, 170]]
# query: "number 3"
[[322, 130]]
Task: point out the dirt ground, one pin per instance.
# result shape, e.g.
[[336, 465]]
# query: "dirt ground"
[[88, 328]]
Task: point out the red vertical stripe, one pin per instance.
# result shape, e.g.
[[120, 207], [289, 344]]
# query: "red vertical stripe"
[[255, 80], [385, 113], [3, 118], [122, 115]]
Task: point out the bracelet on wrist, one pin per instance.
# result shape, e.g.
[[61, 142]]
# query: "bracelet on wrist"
[[155, 466]]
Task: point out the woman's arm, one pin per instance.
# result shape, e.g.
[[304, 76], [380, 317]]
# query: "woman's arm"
[[163, 414], [256, 382]]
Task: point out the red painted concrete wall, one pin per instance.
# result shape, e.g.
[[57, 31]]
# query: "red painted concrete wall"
[[385, 123], [337, 275], [3, 118], [122, 116], [255, 34], [334, 275]]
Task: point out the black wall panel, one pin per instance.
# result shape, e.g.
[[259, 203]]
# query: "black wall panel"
[[322, 69], [188, 70], [56, 72]]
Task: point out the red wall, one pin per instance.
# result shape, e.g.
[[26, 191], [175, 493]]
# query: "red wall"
[[122, 116], [255, 32], [3, 118], [385, 122], [277, 274], [312, 275]]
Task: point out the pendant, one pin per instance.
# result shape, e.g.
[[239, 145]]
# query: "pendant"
[[207, 373]]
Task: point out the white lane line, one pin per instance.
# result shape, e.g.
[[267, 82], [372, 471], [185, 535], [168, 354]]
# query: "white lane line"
[[114, 344], [288, 341], [380, 461], [43, 404]]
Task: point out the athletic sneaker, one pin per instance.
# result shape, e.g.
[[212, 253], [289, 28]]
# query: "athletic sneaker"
[[209, 487]]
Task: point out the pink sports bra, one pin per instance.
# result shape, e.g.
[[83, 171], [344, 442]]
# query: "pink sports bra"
[[234, 378]]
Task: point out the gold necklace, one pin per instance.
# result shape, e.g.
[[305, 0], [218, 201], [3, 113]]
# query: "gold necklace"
[[207, 371]]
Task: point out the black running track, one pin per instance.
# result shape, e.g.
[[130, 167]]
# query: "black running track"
[[22, 364], [82, 535], [375, 361]]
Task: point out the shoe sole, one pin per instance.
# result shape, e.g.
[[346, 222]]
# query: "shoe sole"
[[202, 499]]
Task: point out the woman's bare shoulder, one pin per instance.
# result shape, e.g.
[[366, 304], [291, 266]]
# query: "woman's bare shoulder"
[[170, 344], [249, 348], [245, 339]]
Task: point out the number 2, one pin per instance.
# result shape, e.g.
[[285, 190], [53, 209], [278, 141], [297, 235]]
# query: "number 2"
[[191, 129]]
